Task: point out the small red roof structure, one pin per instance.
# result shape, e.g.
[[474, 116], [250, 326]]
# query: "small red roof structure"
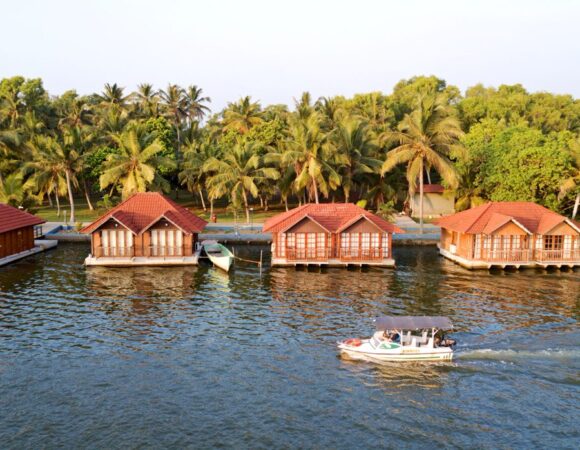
[[144, 209], [12, 219], [487, 218], [433, 189], [333, 217]]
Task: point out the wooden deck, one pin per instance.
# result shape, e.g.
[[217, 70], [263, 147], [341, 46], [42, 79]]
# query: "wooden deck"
[[40, 245], [132, 261], [332, 262], [511, 261]]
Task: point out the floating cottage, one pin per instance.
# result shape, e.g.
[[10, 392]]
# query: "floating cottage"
[[331, 234], [18, 233], [518, 234], [147, 229]]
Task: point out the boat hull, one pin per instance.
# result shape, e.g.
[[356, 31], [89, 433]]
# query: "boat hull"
[[366, 352], [223, 262], [218, 254]]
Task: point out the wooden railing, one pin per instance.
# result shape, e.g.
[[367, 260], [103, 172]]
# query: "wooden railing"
[[526, 255], [115, 252], [165, 250], [323, 254], [558, 255], [514, 255], [310, 254], [360, 254]]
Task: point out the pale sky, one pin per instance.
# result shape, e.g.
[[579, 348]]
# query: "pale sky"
[[275, 50]]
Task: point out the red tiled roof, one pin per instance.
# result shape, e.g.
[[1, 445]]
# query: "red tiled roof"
[[331, 216], [432, 189], [12, 218], [489, 217], [142, 210]]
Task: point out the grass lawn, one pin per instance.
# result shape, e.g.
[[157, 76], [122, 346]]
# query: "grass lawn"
[[224, 214]]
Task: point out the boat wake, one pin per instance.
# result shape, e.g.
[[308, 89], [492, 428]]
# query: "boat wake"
[[517, 355]]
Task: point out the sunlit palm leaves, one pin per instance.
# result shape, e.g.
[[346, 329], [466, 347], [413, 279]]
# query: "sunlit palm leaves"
[[135, 167]]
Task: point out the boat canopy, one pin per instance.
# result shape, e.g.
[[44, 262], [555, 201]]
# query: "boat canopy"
[[413, 323]]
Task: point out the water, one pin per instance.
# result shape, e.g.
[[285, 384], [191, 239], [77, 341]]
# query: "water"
[[192, 357]]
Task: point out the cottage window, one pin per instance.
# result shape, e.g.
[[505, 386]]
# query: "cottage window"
[[321, 245], [282, 245], [311, 245], [300, 241], [553, 242], [477, 248], [385, 245]]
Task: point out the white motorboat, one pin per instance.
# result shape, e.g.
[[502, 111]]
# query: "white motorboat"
[[403, 338]]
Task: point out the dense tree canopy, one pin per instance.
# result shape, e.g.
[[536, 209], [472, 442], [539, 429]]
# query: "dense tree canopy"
[[489, 143]]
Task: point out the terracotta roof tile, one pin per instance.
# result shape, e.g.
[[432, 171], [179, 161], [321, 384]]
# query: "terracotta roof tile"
[[487, 218], [12, 218], [332, 216], [142, 210]]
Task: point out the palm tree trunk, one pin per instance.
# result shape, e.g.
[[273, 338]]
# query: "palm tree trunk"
[[87, 195], [428, 176], [346, 195], [576, 204], [246, 205], [70, 196], [421, 198], [210, 208], [49, 199], [315, 191], [286, 203], [57, 204], [202, 200]]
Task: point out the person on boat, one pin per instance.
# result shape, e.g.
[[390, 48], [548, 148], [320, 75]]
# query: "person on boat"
[[391, 337]]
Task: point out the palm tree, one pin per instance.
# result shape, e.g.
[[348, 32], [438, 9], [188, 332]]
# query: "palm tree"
[[74, 111], [312, 155], [135, 166], [47, 175], [175, 109], [196, 109], [425, 139], [572, 183], [11, 146], [193, 174], [304, 106], [13, 191], [147, 100], [11, 105], [331, 110], [56, 156], [242, 116], [357, 146], [113, 96], [239, 172]]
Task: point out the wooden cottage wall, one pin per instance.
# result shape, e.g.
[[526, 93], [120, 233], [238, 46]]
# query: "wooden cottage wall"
[[16, 241], [563, 229]]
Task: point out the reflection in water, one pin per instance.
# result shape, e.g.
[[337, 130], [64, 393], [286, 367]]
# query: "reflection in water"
[[140, 357], [393, 377]]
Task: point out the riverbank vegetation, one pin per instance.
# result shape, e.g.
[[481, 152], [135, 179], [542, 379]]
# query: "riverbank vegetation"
[[486, 144]]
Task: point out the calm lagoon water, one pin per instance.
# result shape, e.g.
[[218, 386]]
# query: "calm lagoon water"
[[194, 358]]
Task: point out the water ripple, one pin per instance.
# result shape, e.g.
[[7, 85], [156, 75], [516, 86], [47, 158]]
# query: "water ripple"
[[194, 358]]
